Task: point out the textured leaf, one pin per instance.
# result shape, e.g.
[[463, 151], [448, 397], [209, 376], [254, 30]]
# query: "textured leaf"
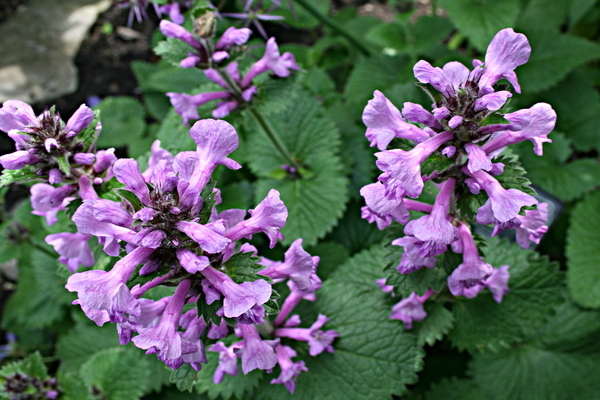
[[77, 346], [374, 357], [541, 13], [118, 373], [317, 199], [577, 106], [553, 56], [123, 121], [559, 361], [583, 252], [17, 175], [480, 20], [41, 299], [172, 50], [73, 388], [410, 38], [536, 287], [184, 377], [376, 73], [32, 366], [438, 322], [173, 135]]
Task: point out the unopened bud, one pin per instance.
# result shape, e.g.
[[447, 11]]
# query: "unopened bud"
[[205, 25]]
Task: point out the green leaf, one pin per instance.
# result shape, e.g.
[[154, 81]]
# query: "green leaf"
[[78, 345], [73, 388], [237, 387], [25, 174], [536, 288], [123, 121], [541, 13], [173, 135], [553, 56], [480, 20], [242, 267], [135, 202], [175, 79], [32, 366], [172, 50], [577, 105], [583, 252], [41, 299], [374, 357], [438, 322], [410, 38], [184, 377], [316, 200], [376, 73], [533, 373], [118, 373], [298, 17]]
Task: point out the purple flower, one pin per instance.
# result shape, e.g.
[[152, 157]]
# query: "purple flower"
[[107, 291], [506, 51], [215, 140], [73, 249], [233, 37], [256, 352], [269, 217], [187, 105], [272, 60], [435, 229], [318, 340], [45, 201], [411, 259], [384, 123], [532, 124], [497, 282], [380, 209], [468, 279], [227, 361], [299, 266], [411, 308], [503, 204], [478, 159], [402, 169], [289, 369], [238, 298], [532, 225], [164, 339], [173, 30], [17, 115]]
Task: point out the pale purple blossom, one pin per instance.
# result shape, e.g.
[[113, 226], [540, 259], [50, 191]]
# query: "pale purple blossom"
[[411, 308]]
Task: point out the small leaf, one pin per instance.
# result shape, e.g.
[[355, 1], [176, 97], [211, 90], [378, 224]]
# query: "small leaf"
[[172, 50], [123, 120], [184, 377]]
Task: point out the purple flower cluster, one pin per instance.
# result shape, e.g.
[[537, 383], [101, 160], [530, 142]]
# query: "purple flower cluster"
[[63, 157], [457, 128], [166, 231], [216, 61]]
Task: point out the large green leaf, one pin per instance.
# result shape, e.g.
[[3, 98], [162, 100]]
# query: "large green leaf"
[[118, 373], [376, 73], [550, 15], [560, 361], [374, 357], [583, 252], [536, 288], [316, 198], [553, 56], [480, 20], [123, 121]]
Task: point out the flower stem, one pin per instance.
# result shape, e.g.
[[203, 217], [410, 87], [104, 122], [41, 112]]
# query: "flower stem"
[[263, 123], [335, 26]]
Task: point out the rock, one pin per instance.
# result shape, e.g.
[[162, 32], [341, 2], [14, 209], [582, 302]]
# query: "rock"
[[39, 43]]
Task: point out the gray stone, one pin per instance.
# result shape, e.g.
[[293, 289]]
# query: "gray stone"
[[38, 45]]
